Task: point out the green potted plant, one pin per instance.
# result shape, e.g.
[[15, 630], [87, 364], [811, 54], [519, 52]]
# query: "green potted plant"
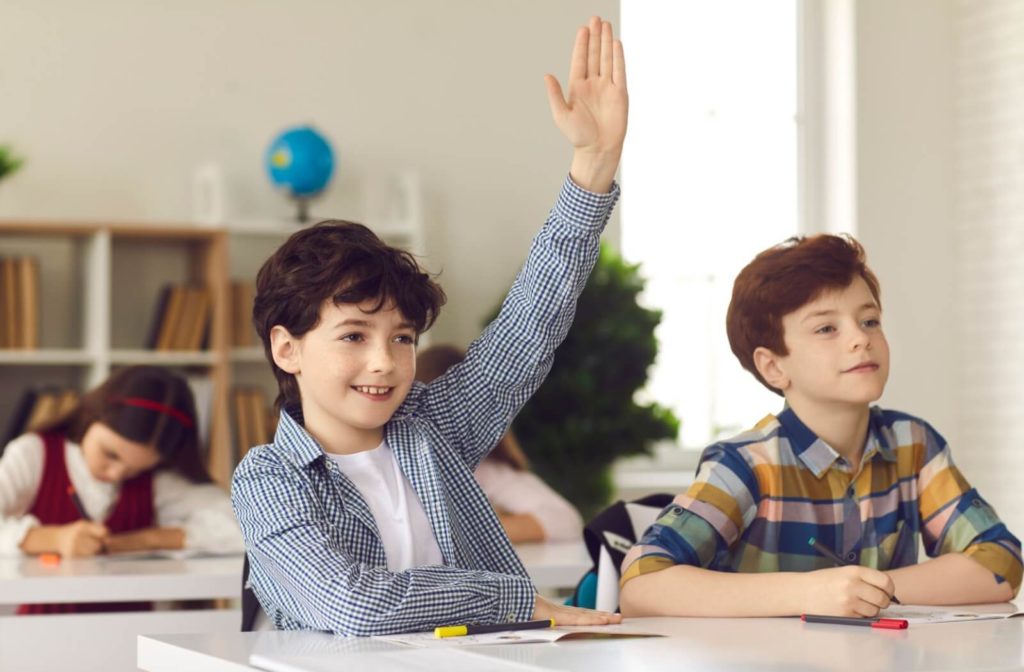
[[584, 416], [9, 162]]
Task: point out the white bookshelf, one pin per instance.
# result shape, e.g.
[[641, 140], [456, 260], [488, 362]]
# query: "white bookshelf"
[[99, 285]]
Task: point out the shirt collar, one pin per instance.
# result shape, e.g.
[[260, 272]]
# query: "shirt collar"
[[818, 456], [292, 437]]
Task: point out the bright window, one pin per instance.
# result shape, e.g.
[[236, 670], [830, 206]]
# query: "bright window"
[[710, 173]]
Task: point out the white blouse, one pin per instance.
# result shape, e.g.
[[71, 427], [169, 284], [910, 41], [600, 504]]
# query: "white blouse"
[[203, 511], [512, 491]]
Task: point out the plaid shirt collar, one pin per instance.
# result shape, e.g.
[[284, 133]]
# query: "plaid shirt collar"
[[819, 457]]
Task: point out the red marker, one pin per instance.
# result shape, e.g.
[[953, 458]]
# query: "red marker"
[[881, 623]]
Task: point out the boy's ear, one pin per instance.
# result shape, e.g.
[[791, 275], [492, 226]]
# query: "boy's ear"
[[768, 365], [285, 349]]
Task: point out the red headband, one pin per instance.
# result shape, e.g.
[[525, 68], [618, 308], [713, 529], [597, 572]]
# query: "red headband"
[[156, 406]]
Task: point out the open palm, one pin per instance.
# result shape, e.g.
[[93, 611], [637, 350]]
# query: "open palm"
[[593, 118]]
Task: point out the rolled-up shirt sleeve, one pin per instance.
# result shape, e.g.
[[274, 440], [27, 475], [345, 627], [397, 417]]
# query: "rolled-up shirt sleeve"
[[955, 518], [700, 526]]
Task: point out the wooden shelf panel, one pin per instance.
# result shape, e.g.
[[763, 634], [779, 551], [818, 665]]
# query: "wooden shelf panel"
[[163, 358], [47, 356]]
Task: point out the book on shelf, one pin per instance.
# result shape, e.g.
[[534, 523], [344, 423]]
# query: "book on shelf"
[[9, 302], [254, 423], [179, 341], [169, 317], [28, 302], [181, 320], [156, 324], [199, 320]]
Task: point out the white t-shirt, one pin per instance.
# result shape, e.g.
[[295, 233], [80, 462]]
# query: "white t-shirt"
[[404, 528], [203, 511]]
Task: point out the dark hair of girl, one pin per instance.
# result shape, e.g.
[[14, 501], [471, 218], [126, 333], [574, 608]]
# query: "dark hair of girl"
[[144, 404]]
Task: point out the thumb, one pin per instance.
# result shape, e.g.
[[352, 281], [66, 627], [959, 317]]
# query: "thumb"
[[555, 99], [98, 530]]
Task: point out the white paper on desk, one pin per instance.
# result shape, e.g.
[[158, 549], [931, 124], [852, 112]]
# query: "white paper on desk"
[[540, 635], [917, 614]]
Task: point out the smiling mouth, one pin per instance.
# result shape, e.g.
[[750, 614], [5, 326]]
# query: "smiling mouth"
[[378, 393]]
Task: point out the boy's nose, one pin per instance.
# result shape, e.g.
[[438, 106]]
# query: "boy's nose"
[[382, 360], [861, 339]]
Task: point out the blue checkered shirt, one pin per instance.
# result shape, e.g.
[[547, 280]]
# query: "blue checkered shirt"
[[317, 561]]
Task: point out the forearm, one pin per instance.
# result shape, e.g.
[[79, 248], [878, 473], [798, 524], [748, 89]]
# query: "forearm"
[[683, 590], [521, 527], [151, 538], [595, 170], [952, 578], [40, 539]]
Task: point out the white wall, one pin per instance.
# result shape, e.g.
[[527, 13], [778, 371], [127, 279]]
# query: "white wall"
[[905, 142], [939, 106], [116, 102]]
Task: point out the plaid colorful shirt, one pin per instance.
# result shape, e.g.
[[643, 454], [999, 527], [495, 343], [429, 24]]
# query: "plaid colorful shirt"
[[759, 497], [316, 557]]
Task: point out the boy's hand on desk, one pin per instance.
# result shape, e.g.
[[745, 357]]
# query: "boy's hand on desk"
[[81, 539], [847, 591], [564, 615]]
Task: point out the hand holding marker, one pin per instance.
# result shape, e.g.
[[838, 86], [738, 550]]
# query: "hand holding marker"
[[830, 554]]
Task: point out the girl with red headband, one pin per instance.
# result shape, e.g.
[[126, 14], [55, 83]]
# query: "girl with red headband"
[[122, 471]]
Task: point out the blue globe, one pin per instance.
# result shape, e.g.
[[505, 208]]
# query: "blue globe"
[[300, 160]]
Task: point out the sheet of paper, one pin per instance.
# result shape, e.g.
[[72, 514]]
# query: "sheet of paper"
[[918, 614], [428, 640]]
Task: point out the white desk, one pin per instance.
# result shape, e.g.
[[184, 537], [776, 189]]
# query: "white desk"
[[110, 579], [691, 644], [107, 641]]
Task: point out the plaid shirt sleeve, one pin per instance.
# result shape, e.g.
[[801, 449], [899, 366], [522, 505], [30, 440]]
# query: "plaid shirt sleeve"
[[700, 525], [956, 519], [474, 402], [314, 582]]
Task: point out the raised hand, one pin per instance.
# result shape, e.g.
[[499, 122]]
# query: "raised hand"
[[593, 117]]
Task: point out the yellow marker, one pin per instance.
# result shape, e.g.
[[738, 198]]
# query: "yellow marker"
[[462, 630]]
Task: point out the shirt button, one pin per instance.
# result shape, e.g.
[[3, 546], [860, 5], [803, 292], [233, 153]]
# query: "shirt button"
[[851, 492], [510, 617], [851, 556], [978, 502]]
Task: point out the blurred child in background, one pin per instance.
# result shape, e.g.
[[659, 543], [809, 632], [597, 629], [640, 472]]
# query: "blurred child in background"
[[122, 471], [527, 507]]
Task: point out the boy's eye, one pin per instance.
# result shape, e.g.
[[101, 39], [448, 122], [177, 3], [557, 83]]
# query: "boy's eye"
[[110, 455], [872, 323], [352, 338], [827, 329], [405, 339]]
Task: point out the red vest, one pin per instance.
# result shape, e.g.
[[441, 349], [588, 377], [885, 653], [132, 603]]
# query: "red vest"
[[53, 506]]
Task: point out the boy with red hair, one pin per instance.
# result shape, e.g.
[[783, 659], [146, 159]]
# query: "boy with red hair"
[[830, 471]]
